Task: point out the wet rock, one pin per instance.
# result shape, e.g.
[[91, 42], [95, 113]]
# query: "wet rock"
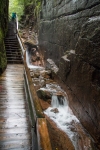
[[24, 33], [88, 45], [43, 94], [32, 74], [37, 87], [31, 44], [44, 104], [55, 110], [42, 83], [36, 74], [51, 65], [75, 24], [35, 57], [45, 74], [59, 139], [48, 81], [64, 67], [49, 101], [36, 81], [59, 93]]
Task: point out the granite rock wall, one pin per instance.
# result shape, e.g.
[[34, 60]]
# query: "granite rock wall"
[[69, 34]]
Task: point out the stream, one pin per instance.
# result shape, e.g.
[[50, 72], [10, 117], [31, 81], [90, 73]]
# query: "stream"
[[59, 110]]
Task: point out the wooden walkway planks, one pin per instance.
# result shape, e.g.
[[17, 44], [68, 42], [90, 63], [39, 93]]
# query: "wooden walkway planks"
[[15, 127]]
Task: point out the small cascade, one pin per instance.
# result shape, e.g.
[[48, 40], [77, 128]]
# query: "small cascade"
[[27, 58], [63, 117], [58, 101], [56, 105]]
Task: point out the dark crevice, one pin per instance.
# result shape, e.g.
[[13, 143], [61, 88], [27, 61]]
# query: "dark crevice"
[[82, 106], [92, 65]]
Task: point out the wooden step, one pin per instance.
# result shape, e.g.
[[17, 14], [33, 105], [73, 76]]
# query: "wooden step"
[[14, 58], [13, 53], [11, 46], [11, 43], [14, 61], [12, 49], [15, 125], [10, 40]]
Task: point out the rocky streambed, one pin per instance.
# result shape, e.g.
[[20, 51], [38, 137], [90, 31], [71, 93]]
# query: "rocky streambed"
[[65, 129]]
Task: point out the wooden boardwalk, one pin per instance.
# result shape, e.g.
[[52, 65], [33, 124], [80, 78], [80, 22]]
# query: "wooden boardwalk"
[[15, 126]]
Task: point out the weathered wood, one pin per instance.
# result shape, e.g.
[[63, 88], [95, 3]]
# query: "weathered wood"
[[15, 127], [14, 144], [15, 137], [13, 49], [38, 109], [43, 134]]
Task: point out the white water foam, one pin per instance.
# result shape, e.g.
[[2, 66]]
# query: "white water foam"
[[52, 88], [63, 118]]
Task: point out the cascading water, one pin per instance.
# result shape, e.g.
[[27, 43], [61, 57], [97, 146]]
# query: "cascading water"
[[64, 117], [58, 101]]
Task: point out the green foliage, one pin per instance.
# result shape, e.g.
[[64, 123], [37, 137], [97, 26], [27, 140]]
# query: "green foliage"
[[16, 6], [1, 35], [37, 8], [3, 60], [36, 4]]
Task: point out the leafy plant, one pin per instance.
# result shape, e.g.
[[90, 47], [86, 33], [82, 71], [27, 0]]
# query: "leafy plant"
[[16, 6]]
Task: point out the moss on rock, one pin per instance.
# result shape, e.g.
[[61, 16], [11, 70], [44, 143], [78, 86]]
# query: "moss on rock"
[[3, 28], [3, 60]]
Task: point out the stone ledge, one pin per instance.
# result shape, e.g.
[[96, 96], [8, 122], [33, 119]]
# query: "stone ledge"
[[51, 65]]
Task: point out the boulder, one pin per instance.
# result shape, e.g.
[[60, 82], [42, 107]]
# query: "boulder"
[[36, 74], [44, 104], [44, 94], [45, 74], [42, 83], [55, 110], [51, 65], [64, 67]]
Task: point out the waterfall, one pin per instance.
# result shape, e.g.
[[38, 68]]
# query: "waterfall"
[[58, 101], [27, 58], [63, 117]]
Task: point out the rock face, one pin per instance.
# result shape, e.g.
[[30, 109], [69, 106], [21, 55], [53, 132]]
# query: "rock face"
[[59, 139], [67, 25], [3, 29]]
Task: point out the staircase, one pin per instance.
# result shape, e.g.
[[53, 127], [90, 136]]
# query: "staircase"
[[13, 51]]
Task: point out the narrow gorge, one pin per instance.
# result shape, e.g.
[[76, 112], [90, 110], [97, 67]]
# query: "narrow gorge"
[[69, 34], [60, 43]]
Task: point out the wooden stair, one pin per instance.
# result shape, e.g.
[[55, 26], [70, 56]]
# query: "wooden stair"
[[13, 51]]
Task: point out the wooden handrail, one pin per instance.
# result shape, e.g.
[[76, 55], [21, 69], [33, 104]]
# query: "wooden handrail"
[[39, 117], [43, 134], [38, 110]]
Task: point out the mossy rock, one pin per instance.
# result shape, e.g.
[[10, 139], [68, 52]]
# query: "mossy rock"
[[3, 60]]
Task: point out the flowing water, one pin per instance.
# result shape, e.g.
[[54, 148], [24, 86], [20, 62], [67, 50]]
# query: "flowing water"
[[59, 111], [64, 118]]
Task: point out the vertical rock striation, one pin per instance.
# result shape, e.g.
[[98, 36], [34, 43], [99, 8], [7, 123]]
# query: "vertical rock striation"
[[70, 35], [3, 28]]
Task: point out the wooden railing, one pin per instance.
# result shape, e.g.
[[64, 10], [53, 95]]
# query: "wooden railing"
[[39, 122]]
